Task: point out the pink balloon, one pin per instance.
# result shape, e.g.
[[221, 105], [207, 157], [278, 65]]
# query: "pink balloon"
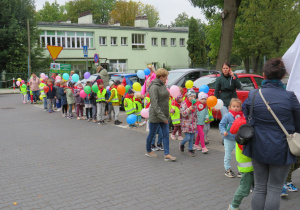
[[23, 81], [57, 78], [82, 94], [145, 113], [18, 83], [42, 75], [174, 91]]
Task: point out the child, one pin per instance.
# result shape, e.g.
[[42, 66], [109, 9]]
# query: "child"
[[188, 122], [139, 107], [50, 95], [115, 99], [43, 95], [70, 98], [57, 97], [235, 110], [79, 101], [202, 115], [146, 105], [28, 91], [175, 117], [109, 104], [100, 100], [23, 92], [129, 104], [206, 126], [64, 102], [88, 103]]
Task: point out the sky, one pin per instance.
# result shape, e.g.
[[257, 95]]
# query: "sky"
[[168, 9]]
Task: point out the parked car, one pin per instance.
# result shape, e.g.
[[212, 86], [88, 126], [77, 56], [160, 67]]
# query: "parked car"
[[248, 82], [242, 71]]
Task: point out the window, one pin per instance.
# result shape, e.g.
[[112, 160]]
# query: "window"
[[154, 41], [124, 41], [182, 44], [138, 41], [163, 41], [113, 41], [210, 81], [192, 76], [102, 40], [173, 42], [246, 83], [117, 66], [258, 81]]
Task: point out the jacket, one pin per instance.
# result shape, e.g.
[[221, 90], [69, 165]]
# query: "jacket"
[[159, 109], [201, 116], [226, 88], [188, 118], [63, 96], [57, 88], [51, 93], [78, 99], [269, 144], [70, 96], [34, 83], [88, 100], [225, 126], [113, 94], [104, 76]]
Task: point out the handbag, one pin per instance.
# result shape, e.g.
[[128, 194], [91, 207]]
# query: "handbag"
[[292, 139], [246, 131]]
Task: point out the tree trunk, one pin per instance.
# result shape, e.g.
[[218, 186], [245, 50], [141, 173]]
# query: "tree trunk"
[[254, 61], [247, 64], [228, 22]]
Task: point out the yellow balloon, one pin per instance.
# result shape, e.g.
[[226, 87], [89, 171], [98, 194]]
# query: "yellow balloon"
[[137, 86], [41, 79], [189, 84], [19, 79], [41, 97]]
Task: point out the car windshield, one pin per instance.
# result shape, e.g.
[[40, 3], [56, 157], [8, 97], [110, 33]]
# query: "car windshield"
[[116, 77], [210, 81], [173, 76]]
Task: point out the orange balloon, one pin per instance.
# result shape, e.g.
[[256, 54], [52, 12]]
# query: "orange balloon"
[[46, 89], [121, 90], [211, 101]]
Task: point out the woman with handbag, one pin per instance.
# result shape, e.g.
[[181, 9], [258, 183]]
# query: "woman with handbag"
[[269, 149]]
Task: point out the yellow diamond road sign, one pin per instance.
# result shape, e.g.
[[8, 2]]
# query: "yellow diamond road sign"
[[54, 51]]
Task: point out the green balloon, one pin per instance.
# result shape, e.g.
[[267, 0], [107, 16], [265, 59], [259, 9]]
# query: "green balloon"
[[194, 101], [127, 87], [24, 86], [87, 89], [95, 88]]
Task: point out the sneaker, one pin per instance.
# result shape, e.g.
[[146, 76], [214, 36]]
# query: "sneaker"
[[229, 173], [180, 138], [230, 208], [181, 148], [154, 148], [197, 147], [83, 118], [191, 153], [69, 117], [88, 120], [31, 102], [173, 137], [78, 118], [283, 192], [251, 189], [160, 147], [239, 175], [50, 111], [141, 124], [206, 141], [99, 122], [205, 150], [45, 110], [291, 187], [95, 121], [169, 158], [151, 154], [117, 122], [103, 123]]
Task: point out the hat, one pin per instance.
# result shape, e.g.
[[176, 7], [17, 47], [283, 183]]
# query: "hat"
[[99, 81], [190, 92], [70, 84], [130, 91], [117, 82], [111, 83], [179, 96], [202, 95]]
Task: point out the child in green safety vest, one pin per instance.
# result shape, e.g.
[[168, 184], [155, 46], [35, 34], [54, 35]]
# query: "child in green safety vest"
[[129, 104], [139, 107], [115, 99], [23, 89], [100, 100], [175, 117]]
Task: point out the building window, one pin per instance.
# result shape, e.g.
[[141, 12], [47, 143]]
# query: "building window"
[[173, 42], [138, 41], [124, 41], [163, 41], [102, 40], [182, 42], [154, 41], [113, 41], [117, 66]]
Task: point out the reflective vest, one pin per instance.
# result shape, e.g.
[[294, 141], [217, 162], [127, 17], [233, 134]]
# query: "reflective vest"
[[43, 95], [139, 107], [101, 96], [244, 163], [115, 99], [146, 100], [210, 115], [176, 116], [131, 107], [23, 90]]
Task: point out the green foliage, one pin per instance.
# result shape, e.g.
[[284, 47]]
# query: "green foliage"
[[152, 14], [182, 20], [101, 10], [210, 7], [76, 7], [52, 13], [213, 34]]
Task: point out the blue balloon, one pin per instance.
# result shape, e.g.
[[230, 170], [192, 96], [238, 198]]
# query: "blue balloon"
[[75, 77], [141, 74], [131, 119], [204, 88], [147, 71], [66, 76]]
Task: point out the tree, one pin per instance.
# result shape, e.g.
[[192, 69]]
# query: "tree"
[[51, 13], [195, 45], [182, 20], [101, 10], [228, 16], [76, 7], [152, 14]]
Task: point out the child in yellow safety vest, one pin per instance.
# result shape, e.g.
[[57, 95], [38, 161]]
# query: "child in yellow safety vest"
[[100, 100], [139, 107], [42, 96], [115, 99], [23, 89], [129, 104], [175, 117]]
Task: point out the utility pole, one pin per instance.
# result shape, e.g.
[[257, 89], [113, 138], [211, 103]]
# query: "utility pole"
[[29, 60]]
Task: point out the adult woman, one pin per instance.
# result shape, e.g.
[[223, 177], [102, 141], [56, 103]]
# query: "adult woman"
[[103, 74], [271, 157], [148, 80], [159, 113], [34, 83]]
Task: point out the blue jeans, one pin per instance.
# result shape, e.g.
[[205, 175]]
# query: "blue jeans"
[[223, 111], [45, 103], [229, 146], [152, 132], [189, 137], [36, 95], [160, 136]]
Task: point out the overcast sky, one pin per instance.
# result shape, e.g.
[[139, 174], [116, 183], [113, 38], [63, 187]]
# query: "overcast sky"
[[168, 9]]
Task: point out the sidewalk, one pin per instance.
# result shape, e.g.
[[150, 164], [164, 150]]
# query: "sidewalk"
[[9, 91]]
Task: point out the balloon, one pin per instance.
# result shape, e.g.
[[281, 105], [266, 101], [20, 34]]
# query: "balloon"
[[95, 88], [131, 119], [204, 88], [57, 78], [219, 104], [42, 75], [189, 84], [194, 101], [22, 81], [41, 79], [66, 76], [127, 87], [145, 113], [211, 101], [41, 97], [19, 79], [75, 77], [24, 86], [46, 89], [18, 83], [137, 86], [174, 91], [59, 75], [87, 75], [87, 89], [147, 71], [141, 74], [121, 90], [82, 92]]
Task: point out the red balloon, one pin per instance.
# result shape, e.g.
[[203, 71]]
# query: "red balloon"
[[46, 89]]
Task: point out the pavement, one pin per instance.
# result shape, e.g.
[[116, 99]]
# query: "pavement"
[[51, 162], [9, 91]]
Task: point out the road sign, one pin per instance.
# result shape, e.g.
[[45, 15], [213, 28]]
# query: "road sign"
[[60, 68], [54, 51], [85, 51], [96, 58]]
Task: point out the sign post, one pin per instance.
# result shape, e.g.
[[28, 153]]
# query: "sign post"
[[85, 54], [60, 68], [96, 59], [54, 51]]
